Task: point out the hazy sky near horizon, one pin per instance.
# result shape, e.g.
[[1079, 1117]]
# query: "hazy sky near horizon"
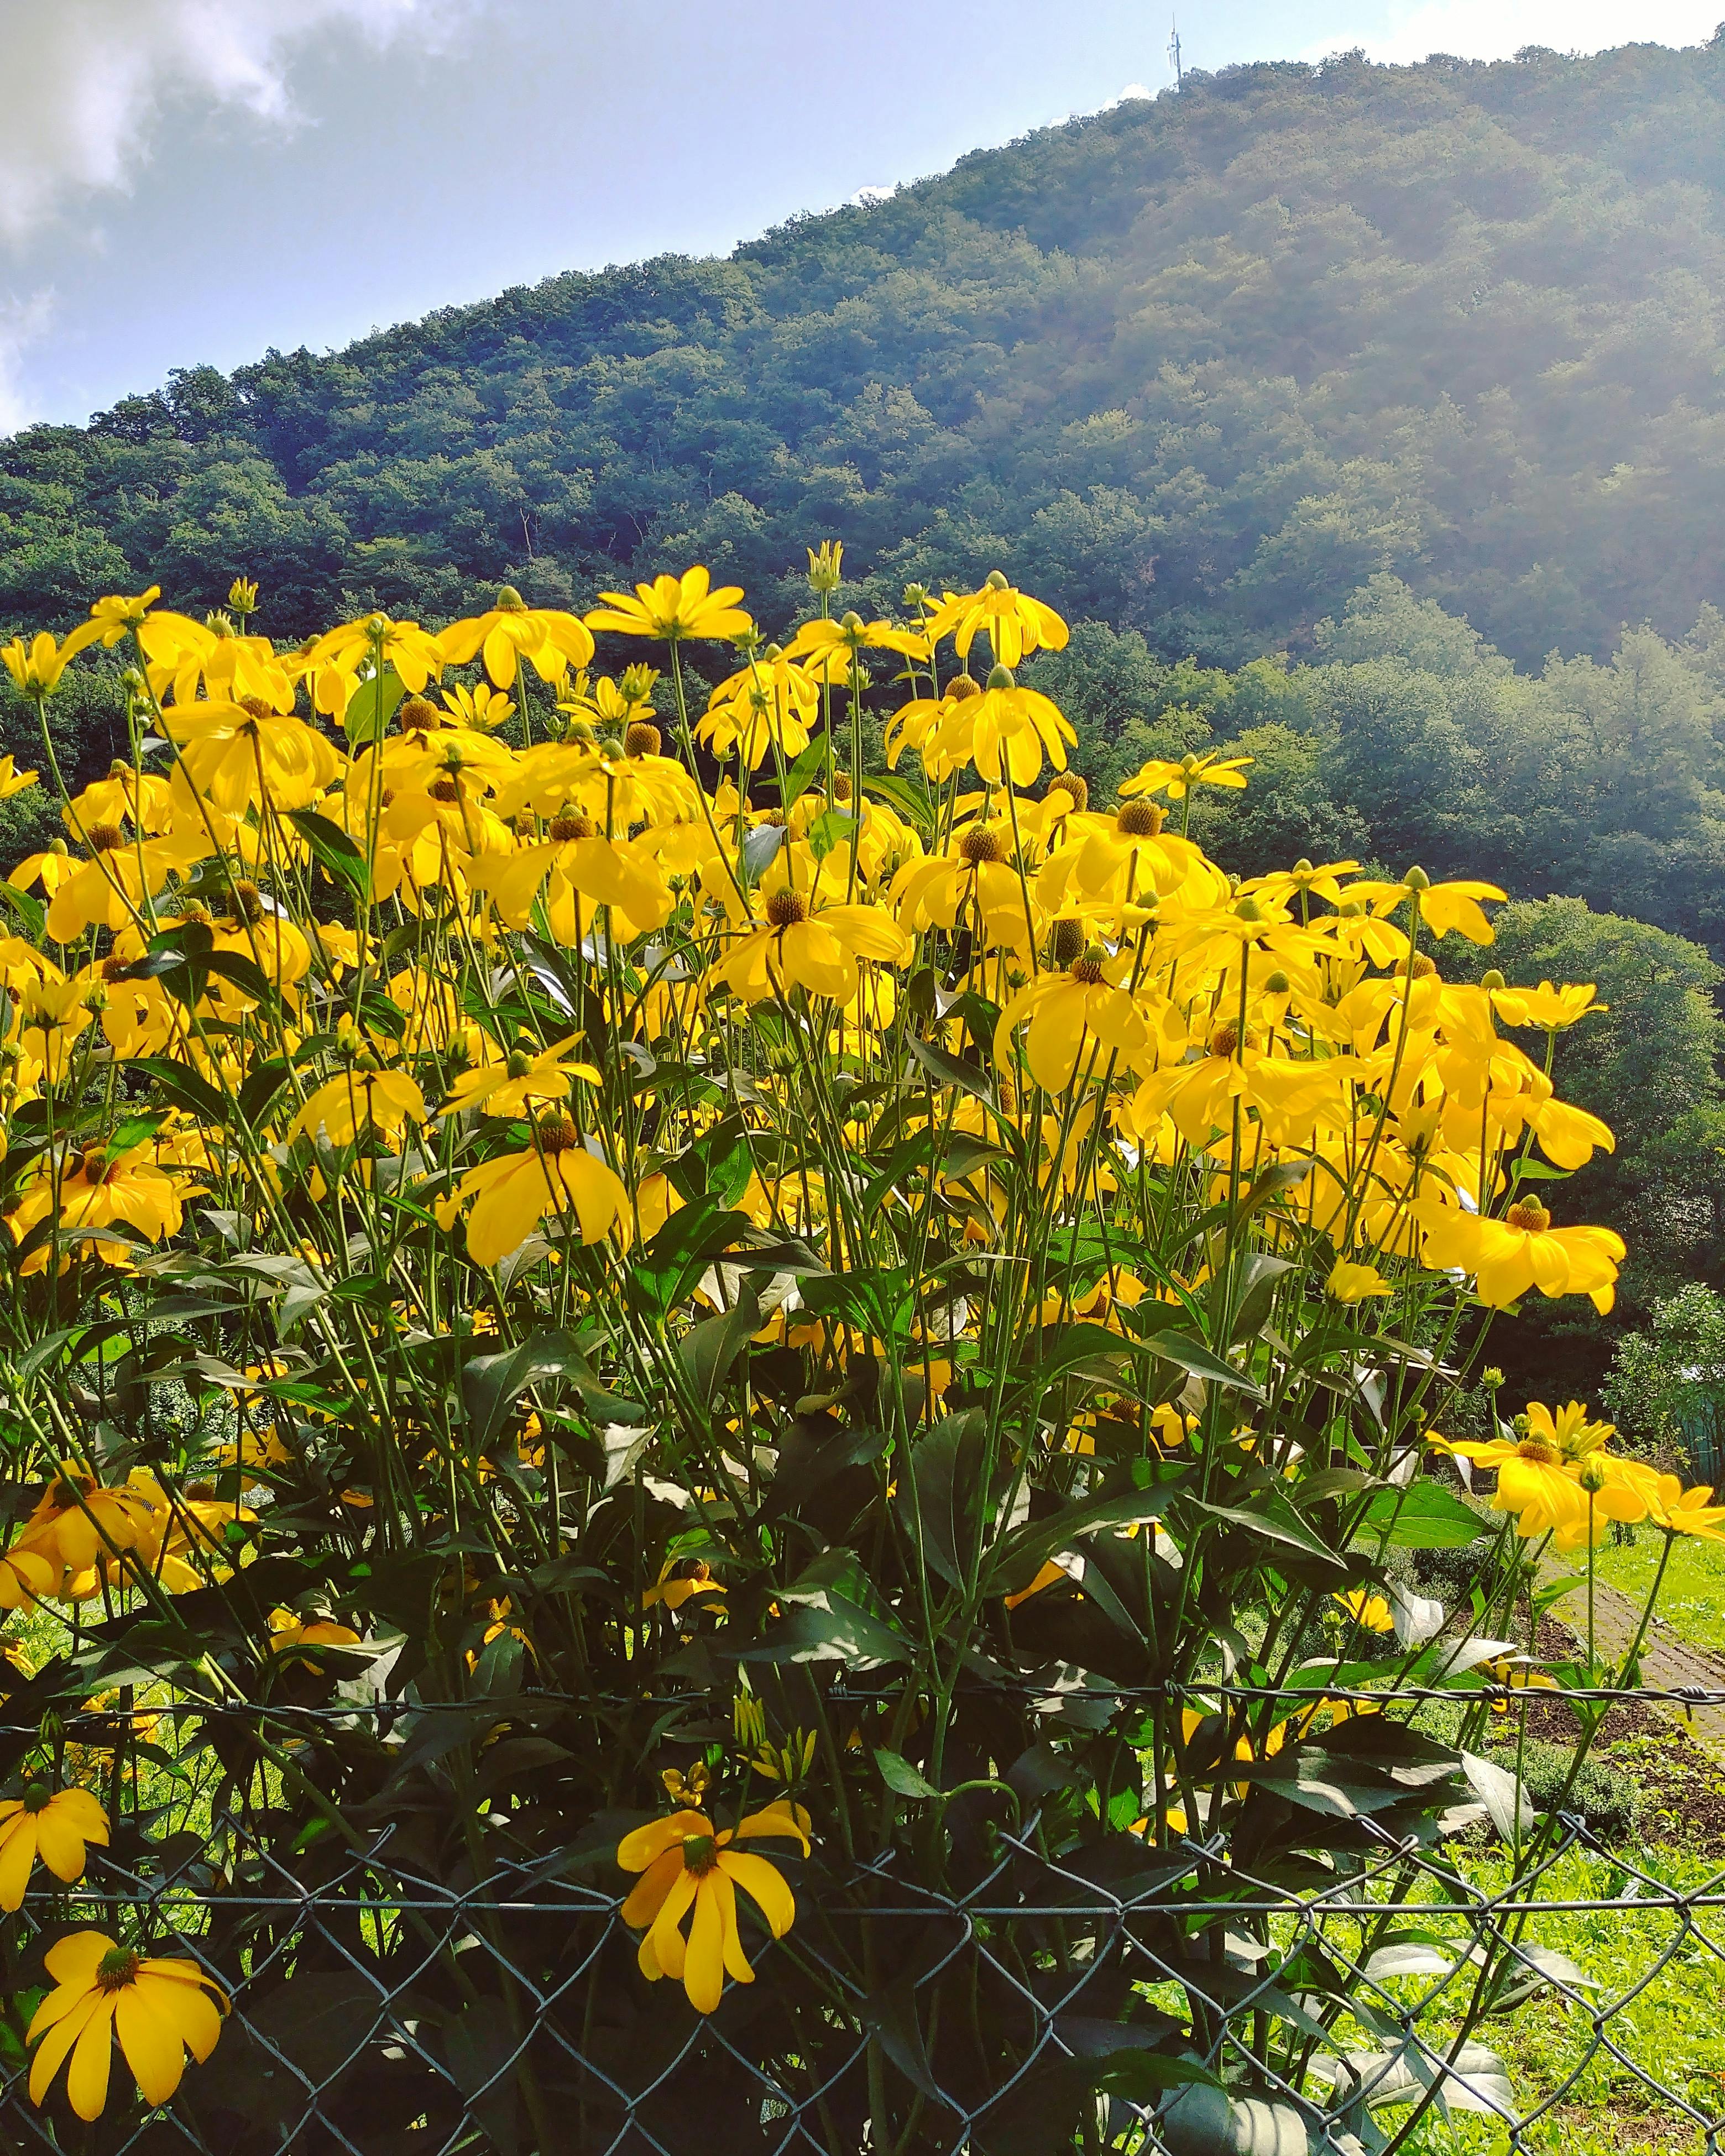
[[196, 180]]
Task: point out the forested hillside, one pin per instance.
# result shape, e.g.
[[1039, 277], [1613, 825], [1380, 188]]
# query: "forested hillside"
[[1380, 413], [1199, 365]]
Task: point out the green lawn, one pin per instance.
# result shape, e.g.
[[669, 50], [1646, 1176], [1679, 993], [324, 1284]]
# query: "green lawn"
[[1691, 1598]]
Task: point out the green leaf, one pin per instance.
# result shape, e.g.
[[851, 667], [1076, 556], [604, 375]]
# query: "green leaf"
[[246, 975], [949, 1070], [842, 1631], [1189, 1354], [1022, 1554], [492, 1383], [832, 828], [370, 708], [707, 1350], [911, 800], [802, 773], [183, 1087], [331, 848], [29, 911], [1271, 1517], [901, 1776], [1424, 1516]]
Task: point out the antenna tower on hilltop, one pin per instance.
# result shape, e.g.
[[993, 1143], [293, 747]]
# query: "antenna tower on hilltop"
[[1173, 50]]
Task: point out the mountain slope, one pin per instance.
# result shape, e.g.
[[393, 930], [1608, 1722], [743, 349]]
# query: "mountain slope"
[[1201, 366]]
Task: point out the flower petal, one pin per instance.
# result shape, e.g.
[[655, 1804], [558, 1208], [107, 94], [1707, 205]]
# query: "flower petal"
[[765, 1884], [151, 2044], [92, 2057]]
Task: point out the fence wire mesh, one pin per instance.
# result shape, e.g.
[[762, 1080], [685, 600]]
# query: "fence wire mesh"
[[1163, 2000]]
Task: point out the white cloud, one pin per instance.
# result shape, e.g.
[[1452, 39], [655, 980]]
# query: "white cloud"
[[23, 323], [867, 197], [91, 82], [1495, 29]]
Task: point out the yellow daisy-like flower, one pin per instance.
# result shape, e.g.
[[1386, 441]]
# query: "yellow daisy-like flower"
[[1443, 906], [1371, 1612], [511, 1085], [36, 668], [550, 640], [160, 2008], [1016, 624], [56, 1825], [691, 1869], [1178, 779], [800, 947], [1349, 1282], [557, 1174], [676, 609], [1548, 1009]]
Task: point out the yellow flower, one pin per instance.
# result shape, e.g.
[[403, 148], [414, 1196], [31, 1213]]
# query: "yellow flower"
[[690, 1868], [679, 1579], [114, 615], [1521, 1251], [1016, 624], [1003, 729], [295, 1636], [1551, 1010], [238, 755], [159, 2007], [511, 1087], [1178, 780], [180, 653], [674, 608], [36, 668], [550, 640], [1078, 1021], [480, 707], [334, 661], [1443, 906], [1369, 1611], [12, 781], [1349, 1282], [799, 947], [556, 1174], [99, 1190], [53, 1824], [361, 1099]]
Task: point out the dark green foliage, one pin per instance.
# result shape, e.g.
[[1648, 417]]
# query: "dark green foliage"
[[1600, 1794]]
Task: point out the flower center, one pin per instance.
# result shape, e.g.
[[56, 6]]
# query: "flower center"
[[642, 739], [981, 848], [961, 687], [563, 828], [700, 1854], [37, 1797], [1227, 1040], [1070, 783], [520, 1063], [786, 908], [1087, 967], [106, 837], [444, 789], [1139, 820], [556, 1133], [248, 901], [1529, 1215], [117, 1969], [1537, 1448]]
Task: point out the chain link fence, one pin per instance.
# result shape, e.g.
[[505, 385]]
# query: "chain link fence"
[[1416, 1993]]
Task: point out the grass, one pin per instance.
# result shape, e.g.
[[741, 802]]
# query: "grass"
[[1691, 1598], [1658, 1979]]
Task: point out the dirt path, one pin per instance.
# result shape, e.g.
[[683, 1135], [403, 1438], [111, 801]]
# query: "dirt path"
[[1669, 1663]]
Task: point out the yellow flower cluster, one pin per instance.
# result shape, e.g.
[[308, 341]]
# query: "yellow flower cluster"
[[403, 977]]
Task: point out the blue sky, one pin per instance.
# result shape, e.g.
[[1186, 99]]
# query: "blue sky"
[[193, 180]]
